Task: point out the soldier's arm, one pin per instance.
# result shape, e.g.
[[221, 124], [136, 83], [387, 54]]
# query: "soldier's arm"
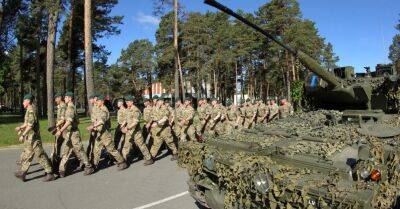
[[69, 118], [135, 121]]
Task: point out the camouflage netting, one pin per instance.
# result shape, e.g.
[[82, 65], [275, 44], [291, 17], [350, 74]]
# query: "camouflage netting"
[[288, 183]]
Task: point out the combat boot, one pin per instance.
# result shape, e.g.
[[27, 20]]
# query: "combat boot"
[[174, 157], [122, 166], [88, 171], [21, 175], [49, 177], [148, 162]]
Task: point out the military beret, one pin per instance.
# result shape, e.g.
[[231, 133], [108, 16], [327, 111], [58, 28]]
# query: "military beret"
[[69, 94], [228, 102], [120, 100], [100, 97], [188, 98], [28, 96], [248, 100], [129, 98], [156, 97], [93, 96], [242, 101], [146, 99], [58, 95], [214, 99]]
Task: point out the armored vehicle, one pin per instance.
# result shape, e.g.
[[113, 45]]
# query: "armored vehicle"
[[309, 160], [316, 159]]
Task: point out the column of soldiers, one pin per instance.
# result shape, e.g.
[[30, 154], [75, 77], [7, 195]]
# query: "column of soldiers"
[[158, 121]]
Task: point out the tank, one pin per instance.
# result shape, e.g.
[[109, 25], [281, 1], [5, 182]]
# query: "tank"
[[318, 159], [339, 89], [314, 159]]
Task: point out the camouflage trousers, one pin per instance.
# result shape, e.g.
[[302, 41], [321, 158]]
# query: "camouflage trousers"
[[34, 147], [104, 140], [91, 144], [73, 143], [119, 138], [218, 129], [137, 137], [248, 123], [161, 135], [187, 132]]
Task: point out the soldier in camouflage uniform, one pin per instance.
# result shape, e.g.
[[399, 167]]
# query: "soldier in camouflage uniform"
[[218, 116], [250, 114], [273, 111], [203, 116], [177, 115], [104, 140], [285, 109], [161, 131], [93, 115], [147, 116], [263, 111], [133, 132], [242, 114], [119, 137], [30, 135], [72, 138], [232, 117], [185, 121]]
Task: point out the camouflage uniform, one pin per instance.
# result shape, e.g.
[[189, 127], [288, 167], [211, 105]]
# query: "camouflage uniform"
[[250, 110], [273, 111], [186, 130], [95, 114], [262, 111], [162, 132], [33, 143], [60, 120], [285, 110], [72, 139], [148, 117], [133, 115], [215, 126], [104, 138], [178, 116], [203, 113], [232, 115], [118, 135]]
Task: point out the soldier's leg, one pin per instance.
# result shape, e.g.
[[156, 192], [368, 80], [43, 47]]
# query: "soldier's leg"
[[169, 141], [78, 148], [109, 145], [43, 159], [157, 142], [127, 145], [138, 139], [28, 155], [91, 146], [117, 136], [98, 146], [66, 152]]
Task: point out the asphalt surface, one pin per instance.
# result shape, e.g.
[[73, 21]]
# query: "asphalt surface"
[[158, 186]]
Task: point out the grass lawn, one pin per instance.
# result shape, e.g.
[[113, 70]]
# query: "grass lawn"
[[9, 137]]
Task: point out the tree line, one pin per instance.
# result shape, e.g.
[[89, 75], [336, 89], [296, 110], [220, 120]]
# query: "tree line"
[[193, 52]]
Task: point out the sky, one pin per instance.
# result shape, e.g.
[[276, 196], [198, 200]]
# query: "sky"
[[361, 31]]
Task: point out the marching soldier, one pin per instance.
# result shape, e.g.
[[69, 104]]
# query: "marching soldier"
[[285, 109], [72, 138], [103, 136], [204, 115], [217, 117], [232, 117], [273, 111], [30, 135], [121, 119], [93, 117], [263, 111], [161, 131], [133, 132], [250, 114], [147, 117], [177, 115], [185, 121], [60, 120]]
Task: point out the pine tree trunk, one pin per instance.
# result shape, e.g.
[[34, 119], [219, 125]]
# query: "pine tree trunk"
[[176, 79], [21, 73], [71, 83], [37, 70], [51, 39], [88, 50]]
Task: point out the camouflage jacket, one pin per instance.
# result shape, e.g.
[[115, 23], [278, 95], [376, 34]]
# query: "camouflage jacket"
[[273, 109], [121, 116], [103, 119], [161, 115], [187, 113], [133, 115], [60, 119], [232, 114], [95, 113], [147, 114], [71, 115], [31, 120]]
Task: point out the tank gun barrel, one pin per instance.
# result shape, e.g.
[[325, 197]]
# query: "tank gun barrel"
[[305, 59]]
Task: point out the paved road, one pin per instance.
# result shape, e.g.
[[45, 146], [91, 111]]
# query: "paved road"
[[159, 186]]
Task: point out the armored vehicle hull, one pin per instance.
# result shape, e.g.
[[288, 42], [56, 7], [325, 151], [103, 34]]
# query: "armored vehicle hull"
[[304, 161]]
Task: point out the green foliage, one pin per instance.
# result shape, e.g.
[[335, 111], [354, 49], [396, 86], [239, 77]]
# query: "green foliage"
[[297, 91], [394, 49]]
